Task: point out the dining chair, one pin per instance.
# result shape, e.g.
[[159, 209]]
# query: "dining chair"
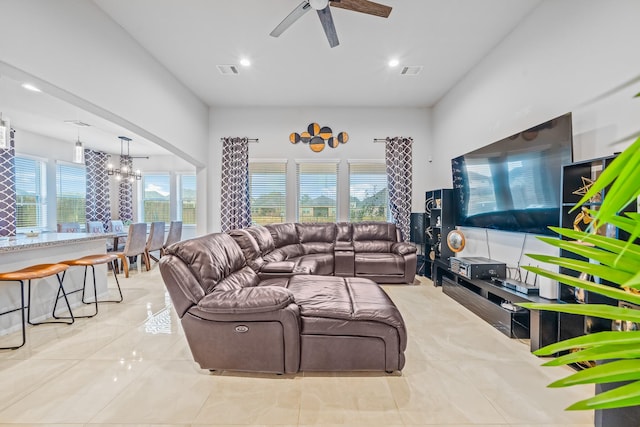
[[155, 241], [117, 226], [69, 227], [175, 235], [98, 228], [135, 245]]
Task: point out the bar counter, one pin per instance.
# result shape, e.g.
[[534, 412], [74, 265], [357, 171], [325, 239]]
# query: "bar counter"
[[22, 251]]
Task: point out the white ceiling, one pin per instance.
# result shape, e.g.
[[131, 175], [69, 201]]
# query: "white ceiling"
[[190, 37]]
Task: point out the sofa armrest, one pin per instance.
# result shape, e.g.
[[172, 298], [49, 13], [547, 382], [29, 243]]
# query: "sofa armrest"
[[246, 300], [278, 267], [403, 248]]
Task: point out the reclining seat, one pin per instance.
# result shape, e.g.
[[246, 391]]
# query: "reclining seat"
[[229, 322], [380, 255]]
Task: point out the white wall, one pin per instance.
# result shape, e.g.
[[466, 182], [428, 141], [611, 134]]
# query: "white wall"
[[273, 125], [567, 55]]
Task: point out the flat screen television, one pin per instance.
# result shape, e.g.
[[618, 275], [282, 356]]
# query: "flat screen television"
[[514, 184]]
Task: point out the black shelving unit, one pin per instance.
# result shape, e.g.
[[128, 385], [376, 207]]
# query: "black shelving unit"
[[576, 178], [439, 208]]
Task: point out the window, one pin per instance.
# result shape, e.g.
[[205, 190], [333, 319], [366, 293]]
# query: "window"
[[156, 198], [187, 199], [368, 194], [317, 186], [31, 200], [268, 192], [71, 186]]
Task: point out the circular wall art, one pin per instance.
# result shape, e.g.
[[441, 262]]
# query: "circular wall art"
[[318, 136]]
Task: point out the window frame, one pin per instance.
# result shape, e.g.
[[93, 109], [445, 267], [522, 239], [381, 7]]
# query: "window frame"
[[81, 220], [285, 179], [316, 218], [42, 204], [373, 163], [180, 199]]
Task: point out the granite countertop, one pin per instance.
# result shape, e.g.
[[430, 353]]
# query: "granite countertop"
[[22, 242]]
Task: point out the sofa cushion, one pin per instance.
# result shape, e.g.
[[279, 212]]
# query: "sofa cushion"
[[343, 298], [374, 231], [243, 278], [344, 232], [283, 234], [210, 258], [284, 253], [321, 264], [316, 232], [263, 238], [250, 248]]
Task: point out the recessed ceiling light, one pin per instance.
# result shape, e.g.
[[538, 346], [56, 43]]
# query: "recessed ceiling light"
[[78, 123], [245, 62], [29, 86], [394, 63]]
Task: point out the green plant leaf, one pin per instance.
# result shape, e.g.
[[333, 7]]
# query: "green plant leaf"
[[603, 352], [608, 291], [607, 243], [599, 270], [591, 340], [619, 370], [626, 395], [609, 175], [598, 310]]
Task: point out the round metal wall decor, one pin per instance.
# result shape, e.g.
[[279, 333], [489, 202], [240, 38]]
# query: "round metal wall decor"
[[318, 137]]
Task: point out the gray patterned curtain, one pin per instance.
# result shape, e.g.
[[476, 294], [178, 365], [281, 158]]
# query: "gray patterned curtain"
[[98, 207], [235, 208], [8, 187], [399, 159], [125, 196]]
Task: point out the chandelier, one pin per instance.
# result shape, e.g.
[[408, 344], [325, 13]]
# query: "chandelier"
[[125, 172]]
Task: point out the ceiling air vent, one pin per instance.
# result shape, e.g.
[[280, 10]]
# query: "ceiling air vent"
[[411, 70], [228, 70]]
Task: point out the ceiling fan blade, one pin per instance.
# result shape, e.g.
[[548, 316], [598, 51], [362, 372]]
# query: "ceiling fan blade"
[[302, 8], [327, 24], [364, 6]]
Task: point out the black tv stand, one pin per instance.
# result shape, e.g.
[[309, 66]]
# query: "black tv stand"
[[491, 303]]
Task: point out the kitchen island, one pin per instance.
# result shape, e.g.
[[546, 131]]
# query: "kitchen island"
[[21, 251]]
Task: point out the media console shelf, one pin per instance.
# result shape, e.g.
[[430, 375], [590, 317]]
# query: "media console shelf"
[[484, 298]]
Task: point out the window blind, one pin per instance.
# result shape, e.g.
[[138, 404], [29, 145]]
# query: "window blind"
[[31, 197], [268, 192], [187, 202], [317, 192], [368, 193], [156, 198], [71, 186]]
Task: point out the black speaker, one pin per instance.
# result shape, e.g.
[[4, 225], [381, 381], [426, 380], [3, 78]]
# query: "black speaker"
[[418, 227]]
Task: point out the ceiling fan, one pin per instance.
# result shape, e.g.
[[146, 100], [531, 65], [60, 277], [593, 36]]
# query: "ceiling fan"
[[324, 13]]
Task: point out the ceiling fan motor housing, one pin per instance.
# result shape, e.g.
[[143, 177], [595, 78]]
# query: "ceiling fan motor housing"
[[319, 4]]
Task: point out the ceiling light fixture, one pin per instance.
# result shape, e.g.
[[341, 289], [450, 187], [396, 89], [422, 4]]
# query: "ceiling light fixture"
[[4, 133], [124, 172], [394, 63], [319, 4], [29, 86], [78, 151], [245, 62]]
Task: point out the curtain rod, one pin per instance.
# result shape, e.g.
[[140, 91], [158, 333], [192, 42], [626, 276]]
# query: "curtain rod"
[[376, 140]]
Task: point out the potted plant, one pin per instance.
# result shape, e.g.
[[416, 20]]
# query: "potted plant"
[[616, 261]]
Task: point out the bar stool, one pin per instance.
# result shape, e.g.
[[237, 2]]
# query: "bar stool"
[[39, 271], [92, 261]]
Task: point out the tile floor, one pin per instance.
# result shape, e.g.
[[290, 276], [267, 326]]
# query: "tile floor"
[[130, 365]]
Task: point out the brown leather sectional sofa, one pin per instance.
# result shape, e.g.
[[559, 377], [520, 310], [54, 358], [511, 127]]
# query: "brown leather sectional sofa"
[[372, 250], [267, 313]]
